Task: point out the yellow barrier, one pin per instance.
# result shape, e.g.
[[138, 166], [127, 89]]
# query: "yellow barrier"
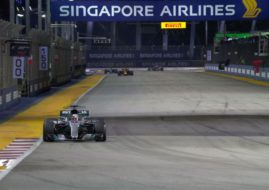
[[29, 123], [248, 80]]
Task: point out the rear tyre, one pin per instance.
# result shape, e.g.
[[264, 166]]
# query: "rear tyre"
[[100, 131], [48, 130]]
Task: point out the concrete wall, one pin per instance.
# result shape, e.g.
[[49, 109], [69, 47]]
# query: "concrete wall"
[[236, 57], [61, 62], [36, 80], [9, 90], [66, 60], [79, 60], [241, 70]]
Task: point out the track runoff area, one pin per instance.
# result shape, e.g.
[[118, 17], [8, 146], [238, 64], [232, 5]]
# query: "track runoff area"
[[166, 129]]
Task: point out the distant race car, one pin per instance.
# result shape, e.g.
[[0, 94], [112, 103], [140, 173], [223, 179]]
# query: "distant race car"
[[74, 124], [155, 68], [110, 71], [125, 72], [89, 72]]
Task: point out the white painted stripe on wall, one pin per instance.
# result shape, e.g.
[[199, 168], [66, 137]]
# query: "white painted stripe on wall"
[[15, 94], [36, 87], [8, 97]]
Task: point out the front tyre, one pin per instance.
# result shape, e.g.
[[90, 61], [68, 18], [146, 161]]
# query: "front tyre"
[[48, 130], [100, 131]]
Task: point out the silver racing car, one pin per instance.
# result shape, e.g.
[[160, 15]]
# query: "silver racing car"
[[74, 124]]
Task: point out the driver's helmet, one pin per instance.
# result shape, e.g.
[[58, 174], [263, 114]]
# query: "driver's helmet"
[[74, 118], [74, 111]]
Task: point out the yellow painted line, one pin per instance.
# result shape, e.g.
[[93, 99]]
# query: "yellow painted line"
[[245, 79], [3, 168], [29, 123]]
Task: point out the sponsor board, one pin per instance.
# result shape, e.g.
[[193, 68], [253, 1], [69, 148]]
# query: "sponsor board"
[[173, 25], [43, 58], [18, 67], [158, 10]]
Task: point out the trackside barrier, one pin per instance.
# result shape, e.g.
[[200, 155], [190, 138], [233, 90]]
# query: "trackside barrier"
[[61, 61], [36, 79], [68, 61], [79, 60], [240, 70], [9, 90]]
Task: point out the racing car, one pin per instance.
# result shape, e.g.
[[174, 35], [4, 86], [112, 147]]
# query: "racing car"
[[155, 68], [110, 71], [74, 124], [89, 72], [125, 72]]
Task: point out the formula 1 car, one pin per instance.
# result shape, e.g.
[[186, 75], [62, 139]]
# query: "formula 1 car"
[[125, 72], [155, 68], [74, 124], [110, 71], [89, 72]]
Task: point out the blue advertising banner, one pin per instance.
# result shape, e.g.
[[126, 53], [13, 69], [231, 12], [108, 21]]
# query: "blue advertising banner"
[[158, 10]]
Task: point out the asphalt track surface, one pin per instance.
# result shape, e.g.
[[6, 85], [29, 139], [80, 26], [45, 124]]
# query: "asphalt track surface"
[[222, 144]]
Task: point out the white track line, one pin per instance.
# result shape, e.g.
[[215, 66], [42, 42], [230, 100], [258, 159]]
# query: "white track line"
[[89, 90]]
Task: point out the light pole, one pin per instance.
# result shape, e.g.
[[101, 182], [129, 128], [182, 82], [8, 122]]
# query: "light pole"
[[12, 11], [39, 12], [47, 27], [27, 15]]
